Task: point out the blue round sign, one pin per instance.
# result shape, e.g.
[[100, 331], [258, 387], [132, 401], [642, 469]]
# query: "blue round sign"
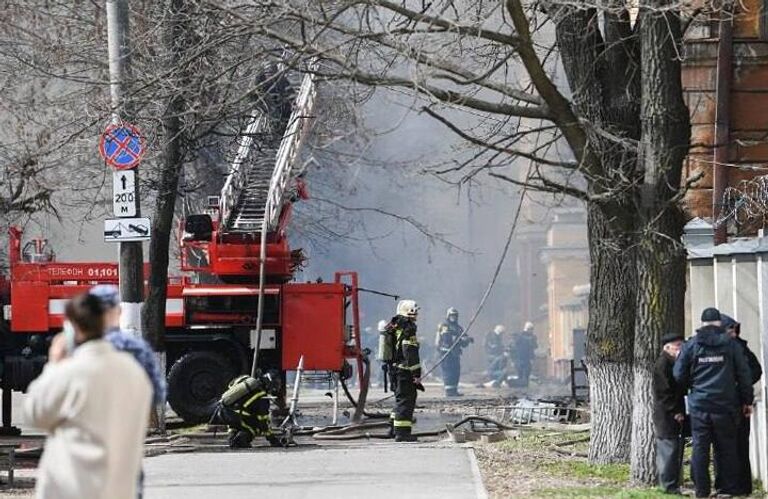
[[121, 146]]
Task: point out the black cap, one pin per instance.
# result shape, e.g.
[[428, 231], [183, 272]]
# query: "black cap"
[[670, 337], [728, 322], [710, 314]]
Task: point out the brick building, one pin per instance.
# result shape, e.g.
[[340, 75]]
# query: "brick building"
[[725, 78]]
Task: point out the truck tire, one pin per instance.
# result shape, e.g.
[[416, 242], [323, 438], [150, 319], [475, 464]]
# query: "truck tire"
[[195, 383]]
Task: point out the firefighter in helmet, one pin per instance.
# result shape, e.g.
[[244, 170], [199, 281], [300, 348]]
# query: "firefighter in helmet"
[[244, 407], [406, 369], [449, 332]]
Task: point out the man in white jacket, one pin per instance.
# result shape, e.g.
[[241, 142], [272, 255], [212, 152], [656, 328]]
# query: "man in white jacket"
[[93, 402]]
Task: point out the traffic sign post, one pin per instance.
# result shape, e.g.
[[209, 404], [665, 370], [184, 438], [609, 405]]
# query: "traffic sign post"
[[123, 230], [124, 198]]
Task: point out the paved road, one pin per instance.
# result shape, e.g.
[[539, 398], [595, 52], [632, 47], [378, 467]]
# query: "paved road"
[[372, 471]]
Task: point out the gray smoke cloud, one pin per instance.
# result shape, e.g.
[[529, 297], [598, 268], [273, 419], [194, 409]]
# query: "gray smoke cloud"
[[393, 256]]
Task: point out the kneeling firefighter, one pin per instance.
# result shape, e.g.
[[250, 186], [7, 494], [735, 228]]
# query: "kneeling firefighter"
[[399, 350], [244, 407]]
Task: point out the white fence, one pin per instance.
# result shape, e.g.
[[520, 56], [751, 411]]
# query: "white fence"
[[734, 278]]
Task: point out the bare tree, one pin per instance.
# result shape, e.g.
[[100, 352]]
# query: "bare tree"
[[613, 135]]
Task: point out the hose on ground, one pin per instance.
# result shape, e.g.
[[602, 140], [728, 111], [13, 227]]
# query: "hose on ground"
[[340, 430], [341, 434]]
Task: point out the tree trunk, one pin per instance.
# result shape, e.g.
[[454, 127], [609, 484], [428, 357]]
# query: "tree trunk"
[[609, 338], [660, 302], [660, 255], [153, 315]]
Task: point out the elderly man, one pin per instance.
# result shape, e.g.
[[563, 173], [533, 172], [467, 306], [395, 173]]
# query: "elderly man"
[[668, 415], [713, 367]]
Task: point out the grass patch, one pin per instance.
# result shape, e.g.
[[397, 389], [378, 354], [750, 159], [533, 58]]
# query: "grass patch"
[[613, 491], [582, 470], [598, 491], [541, 439]]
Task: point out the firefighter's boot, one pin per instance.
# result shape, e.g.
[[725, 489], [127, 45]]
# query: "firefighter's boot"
[[274, 441], [239, 439], [391, 430], [405, 435]]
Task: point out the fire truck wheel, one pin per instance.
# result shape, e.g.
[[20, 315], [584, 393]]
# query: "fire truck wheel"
[[195, 383]]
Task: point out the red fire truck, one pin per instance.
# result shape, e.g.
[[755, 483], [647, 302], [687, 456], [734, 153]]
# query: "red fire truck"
[[235, 298]]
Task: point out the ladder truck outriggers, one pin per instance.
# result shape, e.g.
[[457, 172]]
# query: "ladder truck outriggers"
[[236, 306]]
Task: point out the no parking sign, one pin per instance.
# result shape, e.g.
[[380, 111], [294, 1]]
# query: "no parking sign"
[[121, 146]]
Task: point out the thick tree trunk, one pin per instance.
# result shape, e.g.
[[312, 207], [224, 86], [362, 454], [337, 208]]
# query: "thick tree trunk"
[[660, 302], [660, 255], [609, 338], [603, 78]]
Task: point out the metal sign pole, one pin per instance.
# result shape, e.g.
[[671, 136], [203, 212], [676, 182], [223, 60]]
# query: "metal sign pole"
[[131, 253]]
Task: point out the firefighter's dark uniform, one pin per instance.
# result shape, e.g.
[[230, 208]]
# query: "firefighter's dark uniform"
[[248, 417], [406, 366], [447, 334]]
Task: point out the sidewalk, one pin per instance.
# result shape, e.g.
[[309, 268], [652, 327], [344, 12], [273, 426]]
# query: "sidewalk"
[[370, 471]]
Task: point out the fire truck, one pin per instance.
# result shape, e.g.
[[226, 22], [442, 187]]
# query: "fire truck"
[[235, 305]]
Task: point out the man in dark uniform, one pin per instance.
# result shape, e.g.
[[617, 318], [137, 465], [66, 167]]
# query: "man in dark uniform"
[[668, 415], [496, 352], [523, 351], [244, 407], [406, 369], [448, 332], [744, 477], [713, 367]]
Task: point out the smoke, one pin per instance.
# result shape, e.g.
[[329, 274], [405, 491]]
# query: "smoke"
[[392, 255]]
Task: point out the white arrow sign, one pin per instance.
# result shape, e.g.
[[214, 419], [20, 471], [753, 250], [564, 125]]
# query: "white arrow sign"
[[124, 193], [120, 230]]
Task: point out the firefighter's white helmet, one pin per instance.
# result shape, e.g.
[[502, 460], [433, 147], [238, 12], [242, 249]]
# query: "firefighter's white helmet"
[[528, 326], [499, 329], [452, 311], [408, 308], [382, 326]]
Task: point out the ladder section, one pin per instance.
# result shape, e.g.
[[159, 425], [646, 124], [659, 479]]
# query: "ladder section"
[[238, 172], [290, 147], [254, 192]]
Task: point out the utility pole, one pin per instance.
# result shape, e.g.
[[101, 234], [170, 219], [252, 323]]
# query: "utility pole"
[[131, 267]]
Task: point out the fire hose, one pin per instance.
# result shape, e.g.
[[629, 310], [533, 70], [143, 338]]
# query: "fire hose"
[[341, 433], [359, 404]]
